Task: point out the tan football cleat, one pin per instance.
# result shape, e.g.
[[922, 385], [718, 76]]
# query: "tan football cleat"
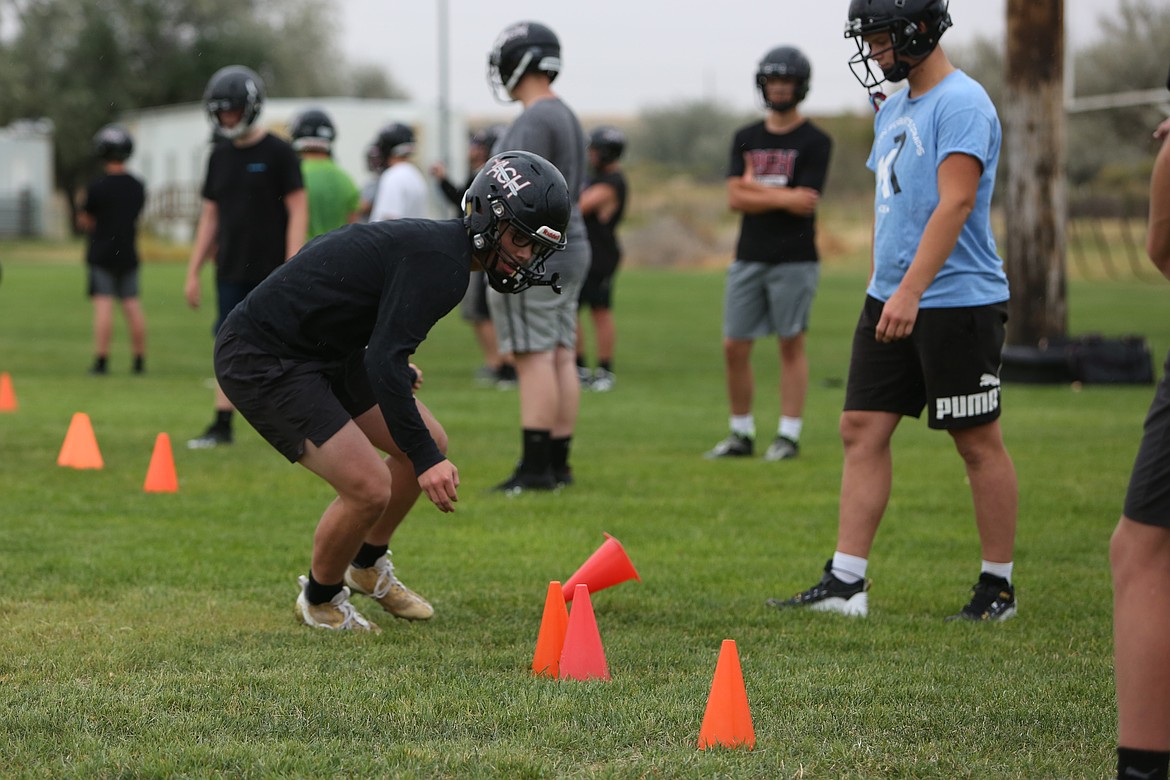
[[379, 583], [335, 615]]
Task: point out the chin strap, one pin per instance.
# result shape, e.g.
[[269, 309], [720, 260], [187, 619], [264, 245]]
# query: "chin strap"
[[553, 281]]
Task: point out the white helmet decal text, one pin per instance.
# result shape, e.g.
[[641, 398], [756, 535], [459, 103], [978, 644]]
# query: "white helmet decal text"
[[507, 177]]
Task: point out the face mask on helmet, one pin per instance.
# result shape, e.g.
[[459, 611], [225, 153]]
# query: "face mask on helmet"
[[913, 28], [234, 88], [607, 143], [313, 131], [522, 196], [525, 47]]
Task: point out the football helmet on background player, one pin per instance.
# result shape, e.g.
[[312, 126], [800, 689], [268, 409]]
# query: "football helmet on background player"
[[395, 140], [608, 142], [113, 144], [234, 88], [524, 47], [914, 27], [784, 62], [312, 130], [524, 193]]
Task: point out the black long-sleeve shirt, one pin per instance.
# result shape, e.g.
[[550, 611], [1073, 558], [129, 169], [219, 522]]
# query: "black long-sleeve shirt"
[[381, 285]]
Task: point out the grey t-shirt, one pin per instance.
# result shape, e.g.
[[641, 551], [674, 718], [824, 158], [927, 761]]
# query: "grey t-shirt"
[[549, 128]]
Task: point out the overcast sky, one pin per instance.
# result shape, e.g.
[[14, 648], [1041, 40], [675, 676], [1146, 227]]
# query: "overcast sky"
[[621, 56]]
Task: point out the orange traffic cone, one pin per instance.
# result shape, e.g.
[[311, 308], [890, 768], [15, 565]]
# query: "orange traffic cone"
[[7, 394], [161, 477], [728, 720], [583, 657], [609, 565], [551, 639], [80, 449]]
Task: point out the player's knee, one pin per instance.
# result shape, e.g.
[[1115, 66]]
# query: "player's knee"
[[369, 495]]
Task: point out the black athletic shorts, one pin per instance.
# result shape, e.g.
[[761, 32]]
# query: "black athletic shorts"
[[950, 365], [1148, 499], [597, 292], [288, 401]]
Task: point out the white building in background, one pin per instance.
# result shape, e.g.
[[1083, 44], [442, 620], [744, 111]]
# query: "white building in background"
[[172, 144], [26, 178]]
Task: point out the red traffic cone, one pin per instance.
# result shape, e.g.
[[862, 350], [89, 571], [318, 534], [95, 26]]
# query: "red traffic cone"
[[551, 639], [728, 720], [608, 565], [583, 657], [80, 448], [161, 477]]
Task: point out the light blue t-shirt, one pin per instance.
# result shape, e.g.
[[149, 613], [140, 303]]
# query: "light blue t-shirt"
[[912, 136]]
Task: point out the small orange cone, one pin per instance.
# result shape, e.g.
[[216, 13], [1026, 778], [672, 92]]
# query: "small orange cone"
[[728, 720], [161, 477], [551, 639], [608, 565], [583, 657], [7, 394], [80, 449]]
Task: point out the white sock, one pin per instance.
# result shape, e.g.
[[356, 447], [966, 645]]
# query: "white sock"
[[744, 425], [1003, 570], [790, 428], [848, 568]]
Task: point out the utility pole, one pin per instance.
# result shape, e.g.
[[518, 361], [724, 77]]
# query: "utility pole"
[[1034, 150]]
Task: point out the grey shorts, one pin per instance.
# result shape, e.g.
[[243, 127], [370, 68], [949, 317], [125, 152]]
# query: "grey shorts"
[[1147, 500], [538, 319], [474, 307], [761, 299], [116, 284]]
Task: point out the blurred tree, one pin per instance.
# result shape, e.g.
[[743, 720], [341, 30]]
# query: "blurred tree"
[[81, 63], [693, 138]]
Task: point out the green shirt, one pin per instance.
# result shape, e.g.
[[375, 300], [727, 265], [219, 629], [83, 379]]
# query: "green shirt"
[[333, 197]]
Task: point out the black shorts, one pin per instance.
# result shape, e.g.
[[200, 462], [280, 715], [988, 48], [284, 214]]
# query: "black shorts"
[[950, 362], [122, 284], [288, 401], [597, 292], [1147, 500]]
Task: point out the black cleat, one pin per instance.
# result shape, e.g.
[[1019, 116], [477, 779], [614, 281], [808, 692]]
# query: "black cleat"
[[992, 599], [830, 595]]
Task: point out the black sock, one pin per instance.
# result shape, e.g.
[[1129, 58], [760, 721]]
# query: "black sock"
[[99, 363], [1146, 764], [223, 419], [537, 455], [559, 453], [581, 361], [369, 555], [316, 593], [139, 364], [605, 365]]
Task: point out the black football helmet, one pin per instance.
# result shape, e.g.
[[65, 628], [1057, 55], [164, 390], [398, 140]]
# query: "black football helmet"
[[395, 140], [914, 27], [526, 193], [786, 62], [113, 144], [312, 130], [487, 137], [608, 142], [524, 47], [234, 88]]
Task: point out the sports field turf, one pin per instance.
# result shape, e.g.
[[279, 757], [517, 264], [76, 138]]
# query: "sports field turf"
[[153, 635]]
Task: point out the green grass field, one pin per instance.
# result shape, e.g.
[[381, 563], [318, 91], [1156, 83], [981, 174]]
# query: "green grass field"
[[153, 635]]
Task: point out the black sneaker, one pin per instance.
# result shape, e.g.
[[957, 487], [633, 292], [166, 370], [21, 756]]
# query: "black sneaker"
[[98, 368], [830, 595], [993, 599], [734, 446], [563, 477], [213, 437], [523, 482]]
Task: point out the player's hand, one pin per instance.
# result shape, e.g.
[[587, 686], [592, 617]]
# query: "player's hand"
[[438, 170], [898, 317], [1162, 130], [191, 291], [418, 380], [803, 201], [439, 483]]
